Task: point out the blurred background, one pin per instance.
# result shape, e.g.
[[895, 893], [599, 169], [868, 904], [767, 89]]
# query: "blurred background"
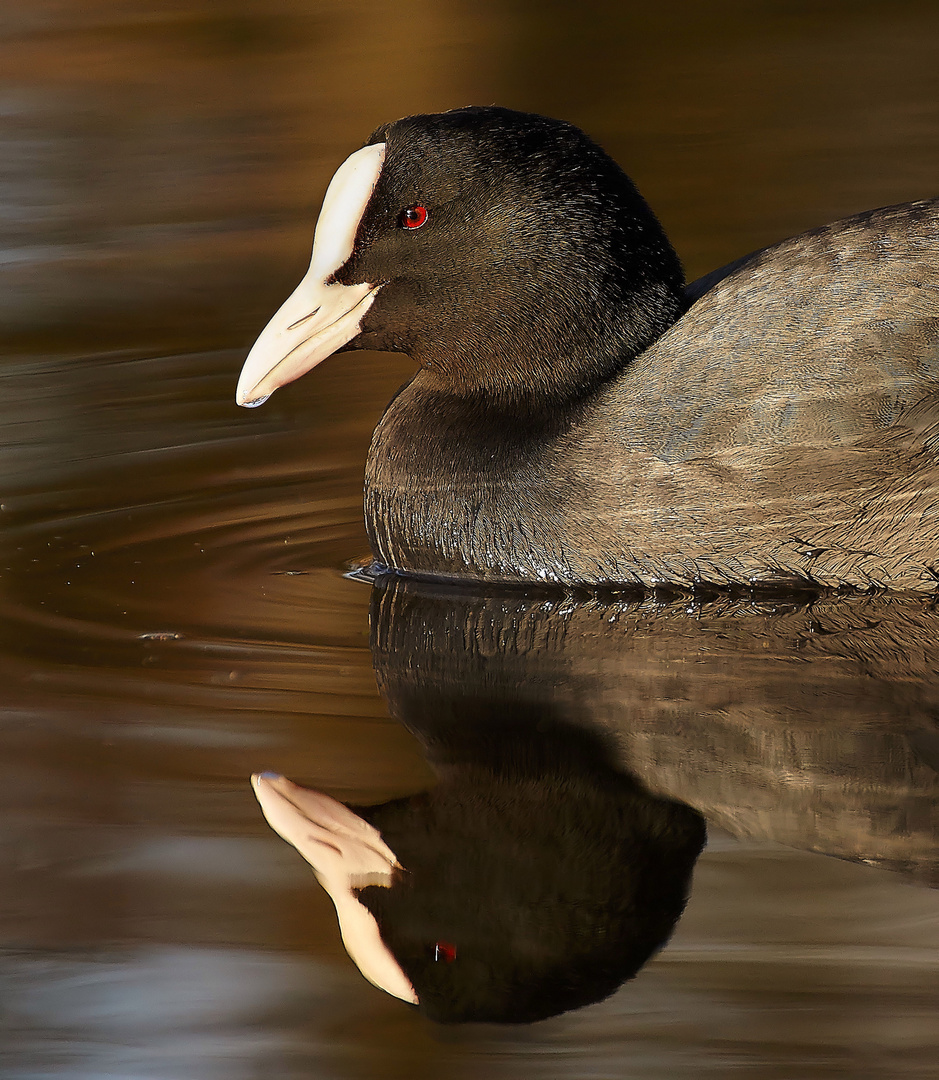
[[163, 162], [173, 613]]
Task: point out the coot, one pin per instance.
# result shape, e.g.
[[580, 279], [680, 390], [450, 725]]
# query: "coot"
[[578, 416]]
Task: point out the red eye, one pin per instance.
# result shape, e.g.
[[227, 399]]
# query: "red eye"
[[443, 950], [413, 217]]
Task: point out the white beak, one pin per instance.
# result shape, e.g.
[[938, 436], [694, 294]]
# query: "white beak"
[[318, 318]]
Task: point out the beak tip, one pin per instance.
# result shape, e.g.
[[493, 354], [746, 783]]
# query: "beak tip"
[[247, 403], [270, 777]]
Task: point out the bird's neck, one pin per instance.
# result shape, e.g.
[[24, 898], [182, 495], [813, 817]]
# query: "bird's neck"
[[442, 465]]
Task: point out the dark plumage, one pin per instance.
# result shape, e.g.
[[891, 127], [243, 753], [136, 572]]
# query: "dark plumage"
[[540, 269], [555, 875], [569, 424]]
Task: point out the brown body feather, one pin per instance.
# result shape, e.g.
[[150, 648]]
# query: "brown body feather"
[[784, 429]]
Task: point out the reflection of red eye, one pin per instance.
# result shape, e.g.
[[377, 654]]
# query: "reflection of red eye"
[[413, 217], [443, 950]]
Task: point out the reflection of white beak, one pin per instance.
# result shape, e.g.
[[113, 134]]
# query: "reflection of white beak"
[[318, 318], [345, 853]]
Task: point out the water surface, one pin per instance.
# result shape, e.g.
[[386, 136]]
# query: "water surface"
[[174, 611]]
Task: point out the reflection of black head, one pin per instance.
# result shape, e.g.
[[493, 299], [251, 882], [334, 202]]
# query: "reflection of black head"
[[553, 876]]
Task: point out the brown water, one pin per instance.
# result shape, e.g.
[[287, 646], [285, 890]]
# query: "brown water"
[[173, 613]]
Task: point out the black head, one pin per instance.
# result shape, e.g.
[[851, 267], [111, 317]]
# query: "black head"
[[539, 269]]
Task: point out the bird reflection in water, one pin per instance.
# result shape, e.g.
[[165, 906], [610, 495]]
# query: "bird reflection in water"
[[534, 878], [554, 855]]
